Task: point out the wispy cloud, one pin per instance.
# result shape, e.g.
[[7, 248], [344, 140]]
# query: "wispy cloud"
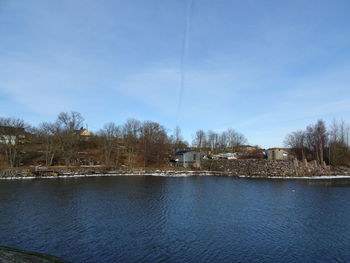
[[249, 65]]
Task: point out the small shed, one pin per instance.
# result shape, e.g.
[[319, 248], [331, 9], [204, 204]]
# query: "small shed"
[[188, 158], [277, 154]]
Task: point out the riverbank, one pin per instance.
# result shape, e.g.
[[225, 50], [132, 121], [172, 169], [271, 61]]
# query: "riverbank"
[[235, 168], [8, 174], [278, 168], [185, 174]]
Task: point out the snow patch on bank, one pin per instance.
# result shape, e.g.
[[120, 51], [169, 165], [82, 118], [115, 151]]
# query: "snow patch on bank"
[[178, 174], [67, 175]]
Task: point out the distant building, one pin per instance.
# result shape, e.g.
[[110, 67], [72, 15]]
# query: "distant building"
[[187, 158], [84, 134], [229, 156], [11, 135], [277, 154]]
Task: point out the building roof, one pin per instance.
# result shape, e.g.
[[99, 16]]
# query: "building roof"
[[184, 151], [85, 132], [279, 148]]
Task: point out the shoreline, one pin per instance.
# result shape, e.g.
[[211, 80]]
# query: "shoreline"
[[24, 175]]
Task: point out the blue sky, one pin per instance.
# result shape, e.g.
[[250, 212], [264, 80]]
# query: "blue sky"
[[264, 68]]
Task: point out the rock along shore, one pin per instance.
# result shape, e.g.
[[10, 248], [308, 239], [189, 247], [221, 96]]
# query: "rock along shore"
[[79, 172], [267, 168], [236, 168], [12, 255]]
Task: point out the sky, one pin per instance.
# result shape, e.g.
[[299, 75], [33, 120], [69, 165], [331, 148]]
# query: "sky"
[[263, 68]]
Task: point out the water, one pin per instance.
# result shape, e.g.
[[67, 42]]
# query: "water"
[[189, 219]]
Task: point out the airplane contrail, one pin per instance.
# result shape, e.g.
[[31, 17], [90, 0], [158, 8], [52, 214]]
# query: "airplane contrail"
[[185, 47]]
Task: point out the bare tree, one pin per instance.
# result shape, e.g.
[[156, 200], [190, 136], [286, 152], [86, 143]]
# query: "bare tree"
[[321, 139], [154, 141], [347, 136], [48, 135], [12, 131], [212, 140], [68, 133], [338, 151], [228, 140], [222, 141], [200, 140], [109, 138], [297, 142], [70, 121], [131, 134], [178, 135], [176, 139], [313, 140], [235, 139]]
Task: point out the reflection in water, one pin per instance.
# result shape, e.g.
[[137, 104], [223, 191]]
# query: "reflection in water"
[[331, 182], [191, 219]]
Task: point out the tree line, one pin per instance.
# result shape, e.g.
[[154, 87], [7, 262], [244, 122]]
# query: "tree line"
[[134, 143], [321, 143], [225, 141]]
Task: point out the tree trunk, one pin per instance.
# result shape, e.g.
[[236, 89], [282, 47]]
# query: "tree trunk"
[[321, 153], [51, 159]]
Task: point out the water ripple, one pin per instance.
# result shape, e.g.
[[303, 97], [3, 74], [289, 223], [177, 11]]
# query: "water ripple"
[[165, 219]]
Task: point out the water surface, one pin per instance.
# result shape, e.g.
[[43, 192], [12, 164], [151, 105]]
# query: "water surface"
[[167, 219]]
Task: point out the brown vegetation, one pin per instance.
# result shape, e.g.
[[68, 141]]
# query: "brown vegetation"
[[320, 143], [133, 144]]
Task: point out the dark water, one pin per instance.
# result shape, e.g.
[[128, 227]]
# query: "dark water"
[[192, 219]]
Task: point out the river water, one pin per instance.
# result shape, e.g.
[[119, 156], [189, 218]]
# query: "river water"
[[187, 219]]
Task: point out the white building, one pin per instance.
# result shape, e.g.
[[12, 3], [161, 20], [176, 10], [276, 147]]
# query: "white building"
[[188, 158]]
